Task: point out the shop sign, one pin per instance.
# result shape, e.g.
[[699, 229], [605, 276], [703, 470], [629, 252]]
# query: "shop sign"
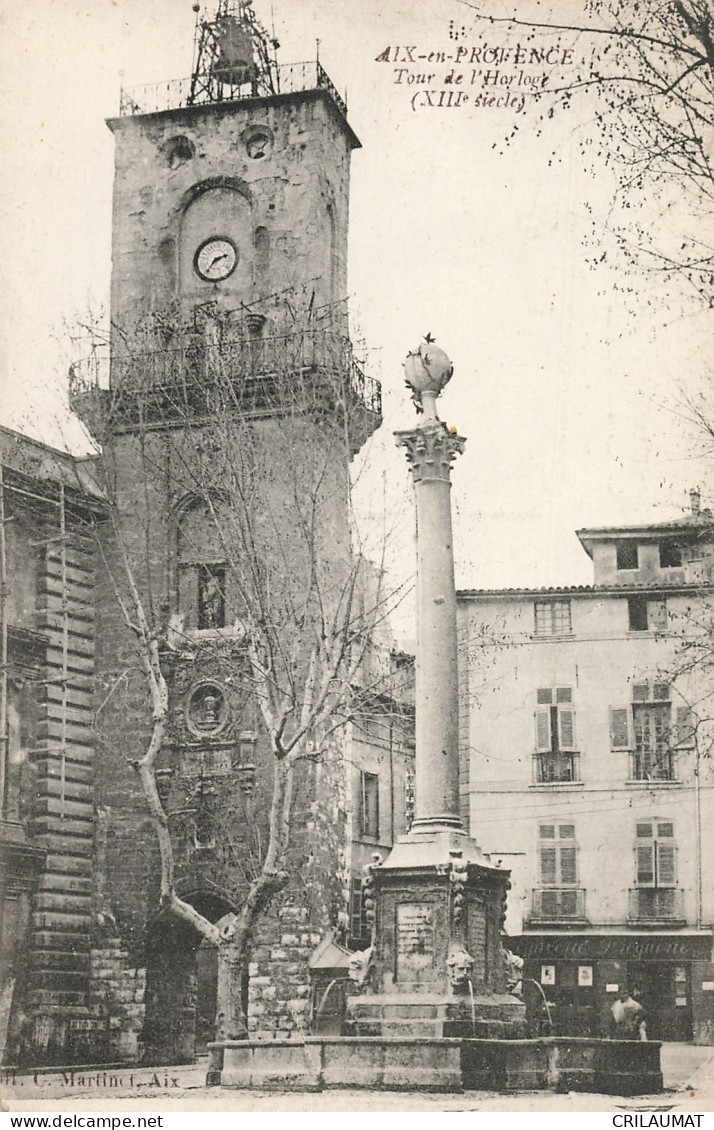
[[547, 974], [614, 947]]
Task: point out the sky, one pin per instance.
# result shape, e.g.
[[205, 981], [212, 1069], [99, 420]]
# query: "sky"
[[568, 392]]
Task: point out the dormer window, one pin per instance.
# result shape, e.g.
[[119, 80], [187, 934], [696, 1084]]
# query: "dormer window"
[[670, 555], [627, 555]]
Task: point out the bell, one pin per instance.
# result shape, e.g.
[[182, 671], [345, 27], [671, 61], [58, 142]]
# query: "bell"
[[234, 63]]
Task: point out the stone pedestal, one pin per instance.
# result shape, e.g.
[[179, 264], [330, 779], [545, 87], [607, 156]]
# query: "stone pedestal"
[[437, 966]]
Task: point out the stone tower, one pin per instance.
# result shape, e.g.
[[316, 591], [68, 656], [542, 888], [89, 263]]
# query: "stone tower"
[[232, 373]]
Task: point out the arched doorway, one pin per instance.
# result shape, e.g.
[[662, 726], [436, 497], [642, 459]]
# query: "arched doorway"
[[181, 975]]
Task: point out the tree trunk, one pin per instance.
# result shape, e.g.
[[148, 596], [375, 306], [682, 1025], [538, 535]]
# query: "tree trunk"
[[231, 1021]]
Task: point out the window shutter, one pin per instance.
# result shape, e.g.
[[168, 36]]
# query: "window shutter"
[[543, 736], [656, 615], [665, 865], [375, 807], [364, 816], [370, 804], [645, 865], [566, 728], [620, 728], [548, 871], [685, 731], [568, 870]]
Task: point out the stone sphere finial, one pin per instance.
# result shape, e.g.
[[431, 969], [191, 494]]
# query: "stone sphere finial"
[[428, 370]]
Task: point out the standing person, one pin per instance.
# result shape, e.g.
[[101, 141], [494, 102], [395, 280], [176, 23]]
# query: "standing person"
[[628, 1017]]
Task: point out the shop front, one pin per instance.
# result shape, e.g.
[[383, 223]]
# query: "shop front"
[[571, 980]]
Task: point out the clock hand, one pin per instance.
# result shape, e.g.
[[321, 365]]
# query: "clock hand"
[[217, 259]]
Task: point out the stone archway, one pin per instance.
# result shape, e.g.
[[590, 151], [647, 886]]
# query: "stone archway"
[[180, 984]]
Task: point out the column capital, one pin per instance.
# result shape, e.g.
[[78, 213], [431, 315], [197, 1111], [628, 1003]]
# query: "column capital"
[[431, 449]]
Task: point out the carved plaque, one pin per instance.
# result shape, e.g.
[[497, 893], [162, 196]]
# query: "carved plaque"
[[415, 940]]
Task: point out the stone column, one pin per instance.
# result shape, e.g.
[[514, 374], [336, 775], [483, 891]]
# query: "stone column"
[[431, 448]]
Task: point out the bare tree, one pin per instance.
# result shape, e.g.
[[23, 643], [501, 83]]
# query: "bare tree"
[[244, 442], [643, 87]]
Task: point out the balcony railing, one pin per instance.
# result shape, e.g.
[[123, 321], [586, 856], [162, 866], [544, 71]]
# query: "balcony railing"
[[558, 904], [556, 768], [656, 904], [313, 371], [646, 765], [288, 78]]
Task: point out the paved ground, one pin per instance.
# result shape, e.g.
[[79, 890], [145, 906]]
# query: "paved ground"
[[688, 1075]]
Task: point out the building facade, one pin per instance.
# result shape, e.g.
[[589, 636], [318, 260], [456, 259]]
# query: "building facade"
[[586, 767], [49, 502]]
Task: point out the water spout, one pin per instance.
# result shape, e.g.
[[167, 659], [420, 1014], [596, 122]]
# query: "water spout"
[[546, 1002], [323, 1000], [473, 1008]]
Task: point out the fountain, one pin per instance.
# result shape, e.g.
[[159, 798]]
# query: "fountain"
[[432, 1008]]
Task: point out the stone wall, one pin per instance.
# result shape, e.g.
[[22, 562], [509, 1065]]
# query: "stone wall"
[[293, 195], [116, 1000]]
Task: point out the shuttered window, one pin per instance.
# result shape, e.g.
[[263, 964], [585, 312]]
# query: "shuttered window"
[[646, 614], [555, 734], [558, 855], [646, 729], [655, 854], [369, 805]]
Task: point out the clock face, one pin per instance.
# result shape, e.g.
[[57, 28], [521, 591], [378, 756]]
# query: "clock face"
[[215, 259], [257, 146]]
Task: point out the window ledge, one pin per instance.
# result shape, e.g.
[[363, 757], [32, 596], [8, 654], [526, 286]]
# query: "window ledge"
[[637, 782], [648, 633], [564, 785], [661, 922], [567, 922], [544, 637]]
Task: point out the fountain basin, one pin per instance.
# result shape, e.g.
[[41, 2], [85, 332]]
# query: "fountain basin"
[[555, 1063]]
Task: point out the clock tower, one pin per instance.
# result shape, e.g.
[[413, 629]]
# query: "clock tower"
[[233, 189], [233, 408]]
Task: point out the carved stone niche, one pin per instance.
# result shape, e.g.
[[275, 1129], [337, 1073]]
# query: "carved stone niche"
[[206, 710]]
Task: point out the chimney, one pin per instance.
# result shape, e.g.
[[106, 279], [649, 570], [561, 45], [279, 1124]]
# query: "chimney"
[[695, 500]]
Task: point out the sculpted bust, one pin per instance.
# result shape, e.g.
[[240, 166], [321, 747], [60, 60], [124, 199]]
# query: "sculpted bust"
[[460, 966]]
